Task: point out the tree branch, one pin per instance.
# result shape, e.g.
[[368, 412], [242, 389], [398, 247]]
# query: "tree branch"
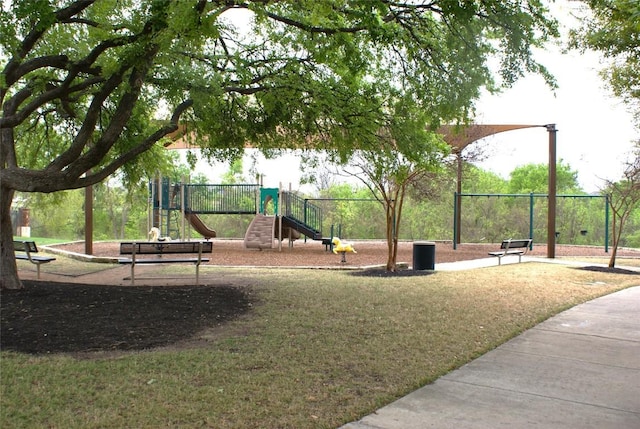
[[139, 149]]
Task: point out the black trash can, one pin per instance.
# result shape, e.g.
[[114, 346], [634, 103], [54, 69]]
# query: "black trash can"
[[424, 255]]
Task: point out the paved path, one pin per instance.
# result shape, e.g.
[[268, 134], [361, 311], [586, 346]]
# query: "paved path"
[[579, 369]]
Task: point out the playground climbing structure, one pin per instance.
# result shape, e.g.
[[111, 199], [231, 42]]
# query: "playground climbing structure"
[[278, 214]]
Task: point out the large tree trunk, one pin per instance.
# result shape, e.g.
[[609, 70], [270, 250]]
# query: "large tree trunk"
[[8, 269]]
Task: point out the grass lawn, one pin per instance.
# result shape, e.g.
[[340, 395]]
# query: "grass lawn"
[[41, 241], [319, 349]]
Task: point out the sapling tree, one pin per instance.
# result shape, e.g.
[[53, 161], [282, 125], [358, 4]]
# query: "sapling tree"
[[624, 199], [406, 153]]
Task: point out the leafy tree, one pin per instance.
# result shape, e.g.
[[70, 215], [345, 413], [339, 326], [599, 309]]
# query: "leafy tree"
[[624, 200], [633, 230], [349, 217], [479, 181], [82, 81], [234, 175], [535, 178], [58, 215], [388, 172], [612, 28], [120, 212]]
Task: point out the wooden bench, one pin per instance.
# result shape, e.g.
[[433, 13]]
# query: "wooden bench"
[[512, 247], [162, 248], [26, 251]]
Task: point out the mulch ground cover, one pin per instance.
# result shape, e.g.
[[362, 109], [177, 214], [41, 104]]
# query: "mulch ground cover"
[[47, 317]]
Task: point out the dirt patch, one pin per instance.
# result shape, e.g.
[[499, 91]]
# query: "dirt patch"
[[379, 272], [46, 317], [611, 270]]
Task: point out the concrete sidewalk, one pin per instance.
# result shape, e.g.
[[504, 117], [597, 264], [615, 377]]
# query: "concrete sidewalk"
[[493, 262], [579, 369]]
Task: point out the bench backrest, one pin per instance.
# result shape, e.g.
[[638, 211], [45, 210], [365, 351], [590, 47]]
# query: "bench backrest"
[[161, 247], [25, 246], [515, 244]]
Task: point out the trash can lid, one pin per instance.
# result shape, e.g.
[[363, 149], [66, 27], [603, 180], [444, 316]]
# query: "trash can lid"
[[423, 243]]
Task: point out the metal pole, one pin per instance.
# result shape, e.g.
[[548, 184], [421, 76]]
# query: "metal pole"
[[88, 220], [155, 221], [458, 208], [278, 211], [606, 223], [551, 210], [531, 220], [150, 206], [183, 211], [456, 197]]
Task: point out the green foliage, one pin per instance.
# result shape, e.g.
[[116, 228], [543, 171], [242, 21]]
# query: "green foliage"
[[58, 215], [476, 180], [354, 214], [120, 210], [535, 178], [117, 213], [99, 73], [624, 200], [90, 88], [235, 173], [351, 211], [631, 234], [612, 28]]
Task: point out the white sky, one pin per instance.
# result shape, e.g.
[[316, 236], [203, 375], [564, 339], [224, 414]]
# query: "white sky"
[[595, 131]]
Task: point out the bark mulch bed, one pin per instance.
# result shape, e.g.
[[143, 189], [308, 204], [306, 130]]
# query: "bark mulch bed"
[[48, 317]]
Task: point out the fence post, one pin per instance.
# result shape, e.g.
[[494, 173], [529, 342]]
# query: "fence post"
[[606, 223], [455, 220], [531, 220]]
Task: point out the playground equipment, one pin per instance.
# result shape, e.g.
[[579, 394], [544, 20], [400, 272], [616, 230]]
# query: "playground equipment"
[[154, 235], [342, 247], [199, 225], [291, 217], [503, 217]]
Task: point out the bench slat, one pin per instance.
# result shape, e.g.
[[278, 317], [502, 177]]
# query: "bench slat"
[[24, 246], [512, 247], [26, 257], [161, 260], [162, 247], [514, 244]]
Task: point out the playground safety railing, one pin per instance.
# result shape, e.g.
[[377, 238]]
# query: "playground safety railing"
[[303, 212], [221, 199]]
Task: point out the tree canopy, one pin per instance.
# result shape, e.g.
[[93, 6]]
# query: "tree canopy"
[[613, 28], [535, 178], [89, 87], [84, 78]]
